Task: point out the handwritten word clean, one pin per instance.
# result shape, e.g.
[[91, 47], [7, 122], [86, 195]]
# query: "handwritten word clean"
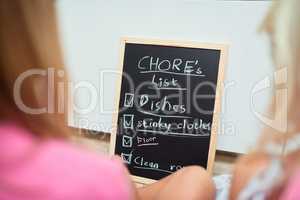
[[140, 161]]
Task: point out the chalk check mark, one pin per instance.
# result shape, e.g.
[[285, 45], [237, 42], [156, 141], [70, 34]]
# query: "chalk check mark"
[[126, 158], [127, 141], [128, 121], [129, 97]]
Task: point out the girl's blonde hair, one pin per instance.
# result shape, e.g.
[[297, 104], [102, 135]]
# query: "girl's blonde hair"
[[29, 40], [283, 25]]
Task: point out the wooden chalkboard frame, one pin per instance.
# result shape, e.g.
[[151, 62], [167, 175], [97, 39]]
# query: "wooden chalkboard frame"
[[219, 90]]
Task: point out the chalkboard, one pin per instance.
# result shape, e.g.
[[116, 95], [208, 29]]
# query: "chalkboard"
[[168, 106]]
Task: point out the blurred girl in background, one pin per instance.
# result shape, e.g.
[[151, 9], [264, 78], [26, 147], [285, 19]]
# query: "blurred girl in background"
[[36, 160], [272, 171]]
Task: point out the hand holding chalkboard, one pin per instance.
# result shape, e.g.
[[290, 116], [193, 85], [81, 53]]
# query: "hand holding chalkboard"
[[168, 105]]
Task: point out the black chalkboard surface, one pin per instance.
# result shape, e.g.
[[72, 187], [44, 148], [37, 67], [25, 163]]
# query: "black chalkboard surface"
[[168, 105]]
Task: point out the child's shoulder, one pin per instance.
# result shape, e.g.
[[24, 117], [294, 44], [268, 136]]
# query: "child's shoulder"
[[59, 167], [81, 168]]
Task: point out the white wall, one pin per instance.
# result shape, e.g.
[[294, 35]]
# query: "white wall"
[[91, 31]]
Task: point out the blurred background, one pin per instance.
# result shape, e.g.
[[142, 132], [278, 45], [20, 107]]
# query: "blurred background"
[[91, 32]]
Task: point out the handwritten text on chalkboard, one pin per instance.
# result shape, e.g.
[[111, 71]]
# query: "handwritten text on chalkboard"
[[166, 107]]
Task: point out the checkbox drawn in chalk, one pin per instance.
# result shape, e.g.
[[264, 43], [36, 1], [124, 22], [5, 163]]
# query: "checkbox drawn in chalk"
[[128, 121], [127, 141], [129, 98], [126, 158]]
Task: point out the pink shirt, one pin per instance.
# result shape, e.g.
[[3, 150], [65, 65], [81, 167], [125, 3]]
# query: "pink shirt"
[[292, 192], [31, 169]]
